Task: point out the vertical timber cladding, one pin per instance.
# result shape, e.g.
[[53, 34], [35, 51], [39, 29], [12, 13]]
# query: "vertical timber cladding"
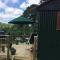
[[46, 34]]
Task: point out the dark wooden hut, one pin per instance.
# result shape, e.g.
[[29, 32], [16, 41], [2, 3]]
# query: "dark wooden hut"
[[49, 31]]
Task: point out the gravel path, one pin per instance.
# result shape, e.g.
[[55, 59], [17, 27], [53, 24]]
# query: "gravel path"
[[22, 52]]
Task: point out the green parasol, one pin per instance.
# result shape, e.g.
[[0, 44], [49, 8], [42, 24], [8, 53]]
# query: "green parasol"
[[21, 20]]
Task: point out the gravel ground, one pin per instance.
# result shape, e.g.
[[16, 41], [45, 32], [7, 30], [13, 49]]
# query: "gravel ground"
[[22, 52]]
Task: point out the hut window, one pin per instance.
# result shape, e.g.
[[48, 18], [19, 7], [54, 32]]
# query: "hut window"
[[58, 21]]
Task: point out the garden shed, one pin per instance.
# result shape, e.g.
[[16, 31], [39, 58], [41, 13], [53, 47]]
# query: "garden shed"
[[49, 30]]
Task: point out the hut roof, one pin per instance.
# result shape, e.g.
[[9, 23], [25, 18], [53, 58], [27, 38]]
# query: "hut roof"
[[50, 5]]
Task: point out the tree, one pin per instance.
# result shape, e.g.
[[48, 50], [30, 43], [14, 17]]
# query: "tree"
[[30, 12]]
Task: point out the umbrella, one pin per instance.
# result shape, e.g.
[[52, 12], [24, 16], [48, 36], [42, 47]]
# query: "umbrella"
[[21, 20]]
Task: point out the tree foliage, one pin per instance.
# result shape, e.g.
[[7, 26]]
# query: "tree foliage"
[[30, 12], [15, 29]]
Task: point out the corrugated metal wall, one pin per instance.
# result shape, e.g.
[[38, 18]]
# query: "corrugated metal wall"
[[46, 35], [58, 36]]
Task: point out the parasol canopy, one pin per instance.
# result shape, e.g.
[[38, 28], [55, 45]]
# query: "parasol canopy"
[[21, 20]]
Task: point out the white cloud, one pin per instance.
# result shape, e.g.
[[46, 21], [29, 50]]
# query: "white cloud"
[[9, 13], [9, 9], [2, 5], [4, 18], [33, 2], [13, 11], [18, 11], [24, 5]]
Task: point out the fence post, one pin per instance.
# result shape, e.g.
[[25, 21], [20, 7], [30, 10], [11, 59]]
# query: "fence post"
[[35, 48], [8, 57]]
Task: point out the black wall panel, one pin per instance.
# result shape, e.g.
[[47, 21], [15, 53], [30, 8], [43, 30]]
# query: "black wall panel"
[[47, 35]]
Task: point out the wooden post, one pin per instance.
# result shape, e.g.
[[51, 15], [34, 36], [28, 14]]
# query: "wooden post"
[[8, 57], [35, 48], [8, 52]]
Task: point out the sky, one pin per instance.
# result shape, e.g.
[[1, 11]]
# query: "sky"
[[11, 9]]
